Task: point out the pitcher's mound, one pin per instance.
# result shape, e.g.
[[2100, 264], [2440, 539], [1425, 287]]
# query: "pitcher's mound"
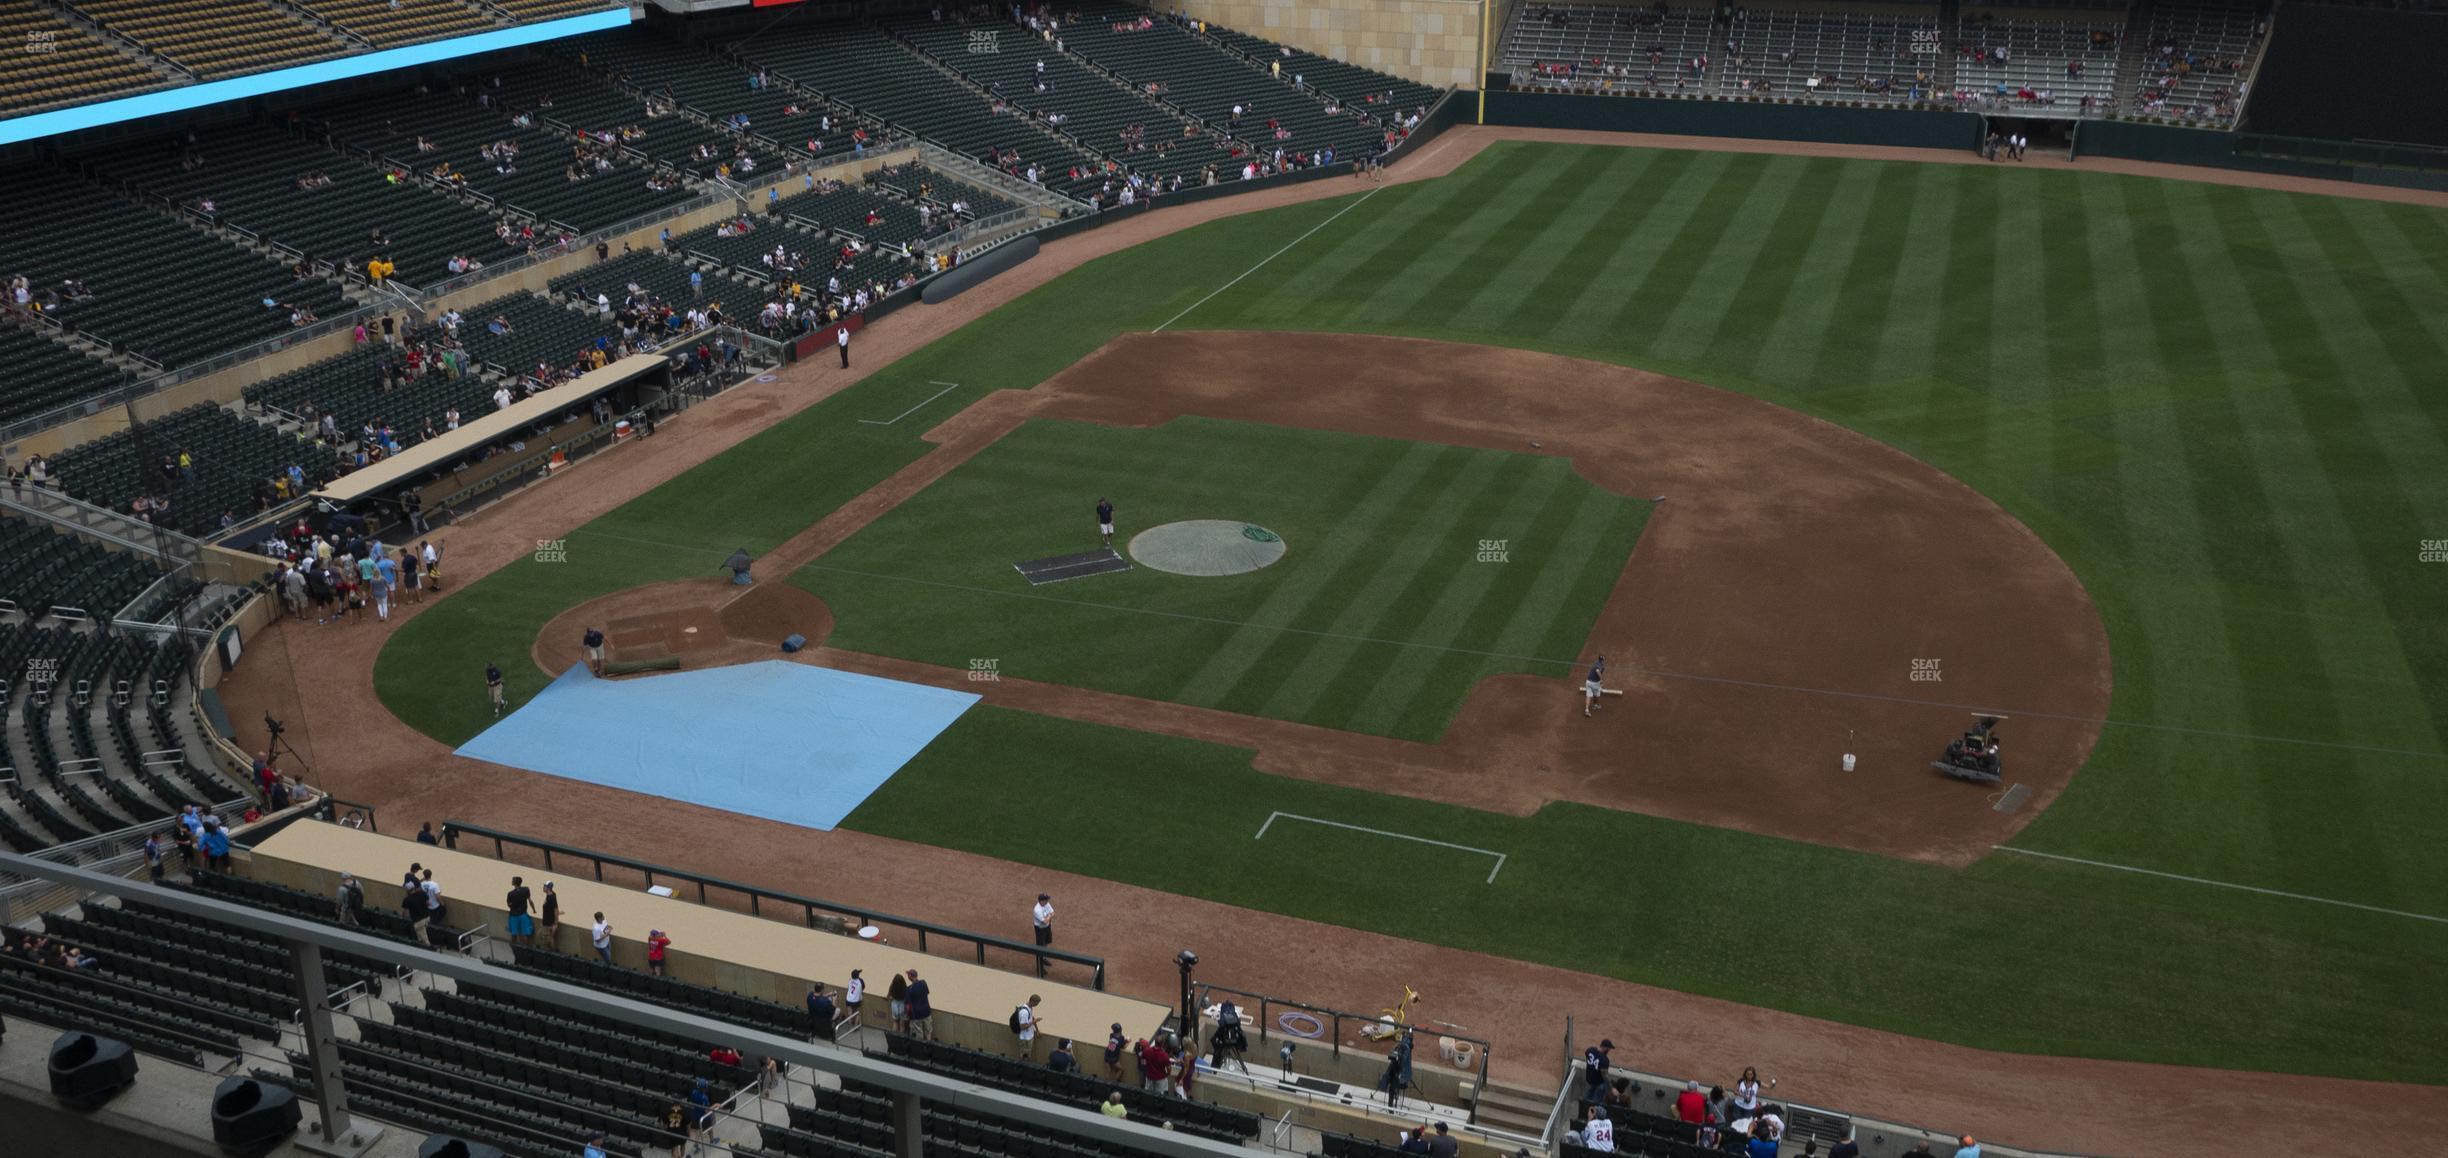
[[1206, 547]]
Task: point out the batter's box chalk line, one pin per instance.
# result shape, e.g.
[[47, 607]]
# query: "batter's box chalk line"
[[1272, 817]]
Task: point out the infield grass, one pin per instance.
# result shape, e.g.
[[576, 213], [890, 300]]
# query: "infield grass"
[[1379, 618], [2221, 406]]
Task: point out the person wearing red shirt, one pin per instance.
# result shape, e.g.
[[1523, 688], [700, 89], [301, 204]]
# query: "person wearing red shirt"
[[1692, 1105], [656, 942], [724, 1055], [1155, 1066]]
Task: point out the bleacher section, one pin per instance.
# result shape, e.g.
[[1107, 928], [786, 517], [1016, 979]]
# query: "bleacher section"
[[540, 330], [1555, 45], [1096, 109], [214, 38], [38, 374], [871, 72], [532, 11], [590, 106], [2039, 48], [51, 62], [1348, 83], [855, 1120], [2193, 57], [391, 23], [1078, 1089], [717, 90], [234, 457], [78, 742], [251, 172], [42, 567], [1856, 56], [1205, 78], [655, 274], [538, 182], [134, 260]]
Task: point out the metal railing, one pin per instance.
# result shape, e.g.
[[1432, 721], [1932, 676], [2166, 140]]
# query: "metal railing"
[[811, 909], [1331, 1030], [127, 532], [327, 1085]]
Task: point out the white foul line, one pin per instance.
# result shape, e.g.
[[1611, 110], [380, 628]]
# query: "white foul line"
[[948, 387], [1270, 257], [1272, 817], [2226, 885]]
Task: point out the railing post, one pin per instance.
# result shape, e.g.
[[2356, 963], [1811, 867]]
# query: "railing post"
[[323, 1051]]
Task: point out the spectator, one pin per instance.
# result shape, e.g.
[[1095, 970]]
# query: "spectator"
[[1155, 1067], [676, 1126], [1024, 1024], [1762, 1144], [1115, 1043], [601, 937], [1597, 1130], [1691, 1106], [349, 901], [425, 834], [1747, 1093], [551, 930], [1113, 1107], [153, 857], [656, 943], [216, 844], [595, 1141], [520, 923], [412, 905], [701, 1110], [1043, 918], [1847, 1148], [723, 1055], [1062, 1061], [854, 994], [1967, 1147], [1441, 1144], [922, 1012], [1594, 1064], [1412, 1141], [897, 993], [820, 1012]]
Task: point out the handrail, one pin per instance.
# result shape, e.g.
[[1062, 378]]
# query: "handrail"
[[126, 532], [452, 830], [1336, 1018]]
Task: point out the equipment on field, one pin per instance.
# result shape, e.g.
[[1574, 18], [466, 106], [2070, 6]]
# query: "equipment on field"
[[1393, 1023], [1974, 755], [793, 642]]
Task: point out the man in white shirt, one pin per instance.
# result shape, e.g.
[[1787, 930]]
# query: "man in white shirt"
[[1599, 1132], [601, 933], [1043, 918], [841, 340], [1025, 1017]]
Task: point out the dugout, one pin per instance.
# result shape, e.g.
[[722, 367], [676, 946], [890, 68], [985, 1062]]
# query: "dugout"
[[498, 452]]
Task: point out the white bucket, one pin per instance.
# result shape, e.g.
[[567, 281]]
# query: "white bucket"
[[1848, 761]]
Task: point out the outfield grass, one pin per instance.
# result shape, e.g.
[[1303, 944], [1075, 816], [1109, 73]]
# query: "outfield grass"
[[2219, 405], [1379, 618], [2009, 955]]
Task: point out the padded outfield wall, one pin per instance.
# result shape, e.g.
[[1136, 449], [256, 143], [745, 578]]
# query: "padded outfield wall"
[[1894, 128]]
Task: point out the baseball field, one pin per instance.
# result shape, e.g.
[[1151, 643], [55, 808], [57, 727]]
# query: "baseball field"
[[2157, 468]]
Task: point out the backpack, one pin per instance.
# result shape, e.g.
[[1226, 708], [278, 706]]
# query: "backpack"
[[1017, 1011]]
